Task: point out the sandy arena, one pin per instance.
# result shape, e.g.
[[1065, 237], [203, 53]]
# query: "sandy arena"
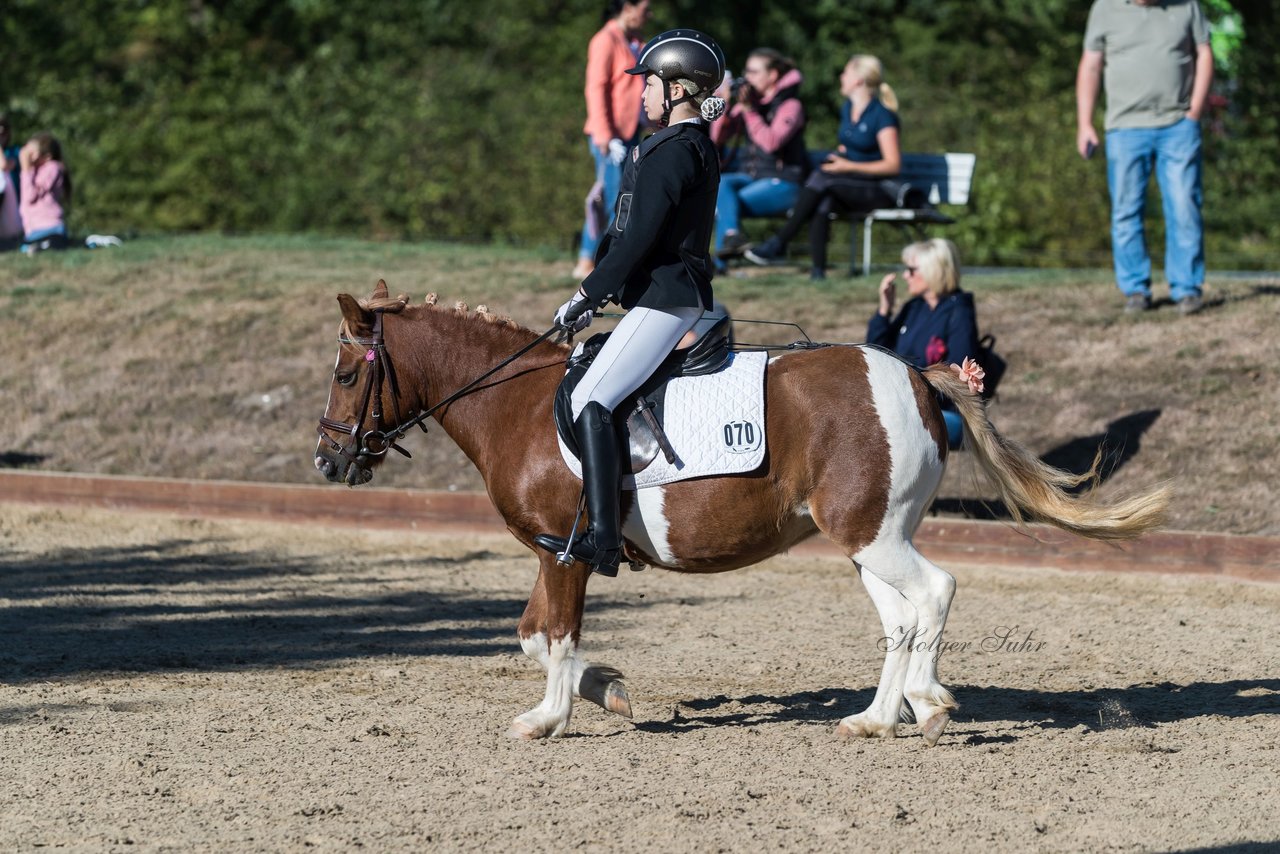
[[199, 685]]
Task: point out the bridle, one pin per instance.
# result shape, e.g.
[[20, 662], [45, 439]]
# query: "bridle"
[[376, 442]]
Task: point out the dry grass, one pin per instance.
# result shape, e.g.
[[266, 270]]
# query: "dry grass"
[[209, 357]]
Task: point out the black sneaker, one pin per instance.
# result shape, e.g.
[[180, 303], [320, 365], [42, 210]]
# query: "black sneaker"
[[734, 245], [1136, 303], [1190, 305], [766, 254]]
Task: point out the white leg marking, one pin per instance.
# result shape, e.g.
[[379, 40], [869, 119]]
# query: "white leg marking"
[[646, 524], [550, 718], [898, 624], [915, 472], [535, 647]]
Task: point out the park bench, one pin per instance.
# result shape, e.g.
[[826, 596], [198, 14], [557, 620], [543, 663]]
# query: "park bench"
[[926, 181]]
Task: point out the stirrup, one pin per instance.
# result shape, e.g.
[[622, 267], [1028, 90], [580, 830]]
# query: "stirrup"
[[603, 561]]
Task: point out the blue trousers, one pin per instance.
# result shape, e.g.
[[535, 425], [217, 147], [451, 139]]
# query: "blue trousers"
[[612, 177], [1174, 153], [741, 195]]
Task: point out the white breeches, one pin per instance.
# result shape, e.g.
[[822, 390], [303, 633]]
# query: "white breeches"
[[642, 339]]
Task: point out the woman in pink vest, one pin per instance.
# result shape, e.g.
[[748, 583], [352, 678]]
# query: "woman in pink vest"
[[613, 113]]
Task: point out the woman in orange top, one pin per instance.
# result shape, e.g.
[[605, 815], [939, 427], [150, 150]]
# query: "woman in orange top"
[[613, 109]]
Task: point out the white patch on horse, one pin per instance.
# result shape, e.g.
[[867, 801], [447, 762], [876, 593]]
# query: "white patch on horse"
[[550, 717], [915, 466], [535, 647], [646, 524]]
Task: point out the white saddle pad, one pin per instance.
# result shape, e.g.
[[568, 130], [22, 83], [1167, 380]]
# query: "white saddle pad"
[[715, 424]]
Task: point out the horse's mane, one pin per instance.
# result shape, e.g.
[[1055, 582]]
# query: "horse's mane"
[[401, 304]]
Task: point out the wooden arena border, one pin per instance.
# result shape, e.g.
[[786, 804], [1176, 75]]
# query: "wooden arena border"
[[944, 540]]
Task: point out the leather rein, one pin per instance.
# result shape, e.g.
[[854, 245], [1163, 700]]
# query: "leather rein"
[[377, 441]]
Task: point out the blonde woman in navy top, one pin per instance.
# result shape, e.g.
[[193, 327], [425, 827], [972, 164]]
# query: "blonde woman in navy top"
[[869, 152]]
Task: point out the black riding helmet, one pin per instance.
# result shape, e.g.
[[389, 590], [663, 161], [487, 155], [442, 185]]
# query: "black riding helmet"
[[682, 55]]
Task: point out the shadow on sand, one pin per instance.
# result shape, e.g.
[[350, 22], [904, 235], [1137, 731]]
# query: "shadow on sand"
[[161, 606], [1142, 705]]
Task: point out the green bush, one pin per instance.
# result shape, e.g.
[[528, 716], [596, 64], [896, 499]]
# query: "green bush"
[[443, 119]]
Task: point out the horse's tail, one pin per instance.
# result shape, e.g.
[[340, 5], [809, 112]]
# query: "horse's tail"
[[1028, 485]]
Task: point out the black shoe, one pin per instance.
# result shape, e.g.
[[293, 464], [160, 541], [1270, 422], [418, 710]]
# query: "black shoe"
[[600, 450], [766, 254], [603, 561], [734, 245]]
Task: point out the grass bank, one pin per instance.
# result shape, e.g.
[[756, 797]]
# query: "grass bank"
[[209, 357]]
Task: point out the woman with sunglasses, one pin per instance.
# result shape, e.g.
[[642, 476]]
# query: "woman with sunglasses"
[[937, 323]]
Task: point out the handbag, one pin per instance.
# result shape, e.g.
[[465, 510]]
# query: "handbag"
[[992, 364]]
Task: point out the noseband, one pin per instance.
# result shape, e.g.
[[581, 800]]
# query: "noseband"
[[376, 442]]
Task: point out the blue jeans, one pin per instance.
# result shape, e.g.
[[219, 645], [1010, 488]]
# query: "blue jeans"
[[612, 176], [741, 195], [1174, 151], [955, 428]]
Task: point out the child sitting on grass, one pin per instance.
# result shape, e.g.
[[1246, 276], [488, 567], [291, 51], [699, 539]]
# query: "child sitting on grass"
[[45, 195]]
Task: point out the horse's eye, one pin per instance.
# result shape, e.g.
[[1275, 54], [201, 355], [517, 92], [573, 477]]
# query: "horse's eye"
[[345, 379]]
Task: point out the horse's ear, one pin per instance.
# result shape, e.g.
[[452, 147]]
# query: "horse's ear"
[[380, 289], [359, 318]]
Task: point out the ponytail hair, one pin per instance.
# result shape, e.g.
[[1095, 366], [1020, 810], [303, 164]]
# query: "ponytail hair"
[[710, 106], [872, 73]]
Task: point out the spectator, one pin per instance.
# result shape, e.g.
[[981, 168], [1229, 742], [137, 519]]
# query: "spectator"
[[1157, 63], [10, 151], [938, 322], [46, 192], [613, 110], [868, 153], [770, 166], [10, 222]]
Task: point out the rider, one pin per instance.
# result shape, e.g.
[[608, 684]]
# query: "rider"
[[653, 261]]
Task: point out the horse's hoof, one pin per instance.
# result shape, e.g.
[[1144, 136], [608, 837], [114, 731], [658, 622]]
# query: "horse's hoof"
[[854, 727], [532, 725], [933, 728], [522, 731], [616, 699], [603, 686]]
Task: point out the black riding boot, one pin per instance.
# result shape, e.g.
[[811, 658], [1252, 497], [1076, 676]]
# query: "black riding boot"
[[598, 444]]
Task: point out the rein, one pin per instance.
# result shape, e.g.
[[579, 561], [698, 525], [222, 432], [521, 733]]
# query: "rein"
[[376, 442]]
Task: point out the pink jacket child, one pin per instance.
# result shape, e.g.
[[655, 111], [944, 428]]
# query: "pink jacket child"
[[46, 192]]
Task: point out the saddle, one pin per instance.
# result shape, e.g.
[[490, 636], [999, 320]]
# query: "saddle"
[[642, 429]]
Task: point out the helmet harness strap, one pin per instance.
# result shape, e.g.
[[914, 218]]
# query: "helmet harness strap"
[[668, 105]]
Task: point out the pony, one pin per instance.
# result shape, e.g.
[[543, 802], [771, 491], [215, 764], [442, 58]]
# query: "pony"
[[856, 449]]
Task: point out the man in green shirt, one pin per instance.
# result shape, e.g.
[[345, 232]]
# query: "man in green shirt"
[[1155, 59]]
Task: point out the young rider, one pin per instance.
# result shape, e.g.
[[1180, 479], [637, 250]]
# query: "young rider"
[[653, 261]]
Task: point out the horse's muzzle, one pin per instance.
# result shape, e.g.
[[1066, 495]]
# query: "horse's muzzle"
[[340, 470]]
